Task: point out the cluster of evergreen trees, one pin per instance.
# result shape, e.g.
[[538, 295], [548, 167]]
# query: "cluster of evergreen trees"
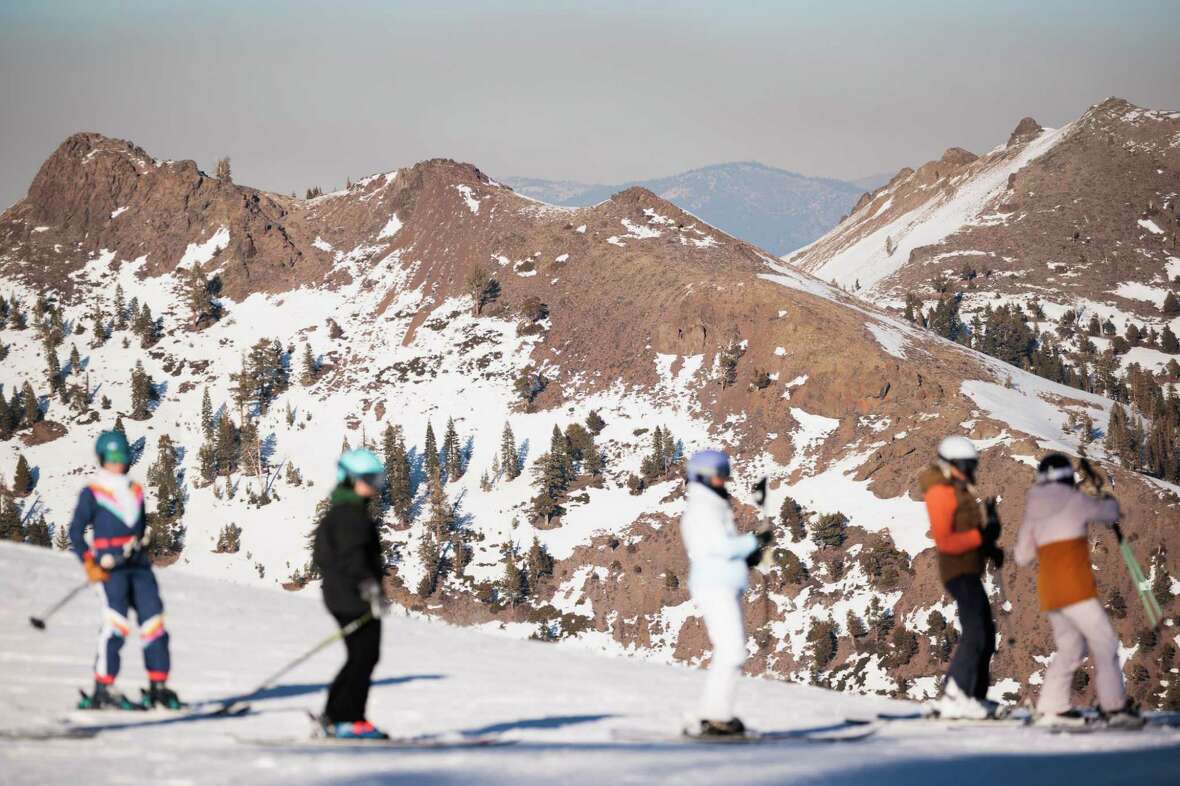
[[1150, 446], [572, 455], [12, 313], [265, 374], [661, 461], [522, 576], [20, 529], [20, 411]]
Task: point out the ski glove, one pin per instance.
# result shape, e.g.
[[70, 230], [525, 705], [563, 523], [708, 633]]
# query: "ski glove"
[[765, 538], [94, 572], [991, 530], [370, 590]]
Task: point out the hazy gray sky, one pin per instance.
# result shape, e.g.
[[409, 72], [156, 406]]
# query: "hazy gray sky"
[[301, 93]]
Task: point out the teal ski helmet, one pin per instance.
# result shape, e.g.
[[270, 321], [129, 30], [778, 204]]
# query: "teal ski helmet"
[[360, 464], [112, 448]]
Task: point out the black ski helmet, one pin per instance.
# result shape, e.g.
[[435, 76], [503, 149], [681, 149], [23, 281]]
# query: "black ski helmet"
[[1056, 468]]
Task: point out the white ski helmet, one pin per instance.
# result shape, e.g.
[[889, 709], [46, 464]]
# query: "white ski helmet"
[[958, 452], [956, 448]]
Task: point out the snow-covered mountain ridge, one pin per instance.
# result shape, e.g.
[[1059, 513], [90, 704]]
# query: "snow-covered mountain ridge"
[[632, 310]]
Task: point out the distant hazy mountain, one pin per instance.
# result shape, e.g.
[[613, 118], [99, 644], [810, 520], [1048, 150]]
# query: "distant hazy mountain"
[[772, 208]]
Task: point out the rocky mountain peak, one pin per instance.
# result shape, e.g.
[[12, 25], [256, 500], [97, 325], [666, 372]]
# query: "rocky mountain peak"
[[1025, 130]]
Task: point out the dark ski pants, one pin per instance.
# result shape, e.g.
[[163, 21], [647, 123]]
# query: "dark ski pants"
[[350, 690], [971, 664], [131, 588]]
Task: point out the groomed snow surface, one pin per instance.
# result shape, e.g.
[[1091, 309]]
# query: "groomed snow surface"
[[562, 708]]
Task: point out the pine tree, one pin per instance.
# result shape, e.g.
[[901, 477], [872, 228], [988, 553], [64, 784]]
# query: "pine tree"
[[538, 563], [792, 518], [229, 540], [595, 423], [22, 480], [1168, 342], [145, 327], [430, 453], [207, 460], [428, 553], [460, 554], [120, 308], [250, 447], [398, 487], [483, 288], [226, 446], [829, 530], [206, 415], [32, 408], [452, 452], [1171, 305], [513, 584], [856, 626], [53, 373], [37, 533], [142, 392], [75, 359], [6, 425], [595, 462], [198, 295], [509, 456], [119, 425], [223, 172], [10, 528], [61, 537], [164, 478], [441, 521], [310, 371]]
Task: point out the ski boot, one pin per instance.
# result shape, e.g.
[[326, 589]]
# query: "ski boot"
[[714, 728], [1128, 718], [104, 698], [957, 705], [354, 730], [160, 695], [1069, 718]]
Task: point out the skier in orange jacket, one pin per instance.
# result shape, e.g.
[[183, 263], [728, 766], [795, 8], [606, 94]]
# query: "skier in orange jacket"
[[965, 531]]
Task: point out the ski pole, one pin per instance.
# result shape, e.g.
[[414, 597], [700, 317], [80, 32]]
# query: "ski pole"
[[38, 622], [343, 633], [1151, 606]]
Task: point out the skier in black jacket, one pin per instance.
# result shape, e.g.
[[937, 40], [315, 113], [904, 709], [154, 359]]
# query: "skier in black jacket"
[[348, 554]]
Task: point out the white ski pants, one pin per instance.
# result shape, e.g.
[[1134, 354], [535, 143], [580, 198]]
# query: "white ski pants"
[[1078, 629], [722, 612]]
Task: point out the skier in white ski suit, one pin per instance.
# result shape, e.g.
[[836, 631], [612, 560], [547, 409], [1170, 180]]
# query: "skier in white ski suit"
[[1056, 516], [718, 576]]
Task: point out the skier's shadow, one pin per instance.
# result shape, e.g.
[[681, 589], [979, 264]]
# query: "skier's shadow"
[[304, 688], [546, 722]]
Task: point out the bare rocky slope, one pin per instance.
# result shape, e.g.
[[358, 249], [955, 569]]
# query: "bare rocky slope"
[[631, 309]]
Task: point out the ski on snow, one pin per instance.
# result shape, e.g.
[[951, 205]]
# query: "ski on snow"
[[395, 743], [848, 731]]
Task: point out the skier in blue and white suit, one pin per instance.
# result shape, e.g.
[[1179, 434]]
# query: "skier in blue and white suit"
[[720, 561], [108, 533]]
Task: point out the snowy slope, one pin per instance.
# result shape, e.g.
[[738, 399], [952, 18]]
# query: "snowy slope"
[[854, 254], [562, 707]]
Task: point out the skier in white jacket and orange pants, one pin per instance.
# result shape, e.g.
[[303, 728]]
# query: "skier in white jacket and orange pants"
[[1053, 533], [720, 560]]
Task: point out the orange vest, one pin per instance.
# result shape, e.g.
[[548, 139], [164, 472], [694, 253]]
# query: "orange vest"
[[1064, 576]]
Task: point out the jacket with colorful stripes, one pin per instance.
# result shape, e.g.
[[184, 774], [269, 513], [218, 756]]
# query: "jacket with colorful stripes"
[[112, 507]]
